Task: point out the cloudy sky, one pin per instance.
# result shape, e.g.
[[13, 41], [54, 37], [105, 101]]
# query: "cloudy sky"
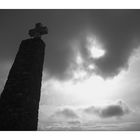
[[91, 77]]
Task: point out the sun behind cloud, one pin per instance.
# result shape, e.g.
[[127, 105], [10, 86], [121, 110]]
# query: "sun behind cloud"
[[94, 47]]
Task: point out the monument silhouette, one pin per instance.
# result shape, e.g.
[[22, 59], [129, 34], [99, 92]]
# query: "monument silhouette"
[[19, 101]]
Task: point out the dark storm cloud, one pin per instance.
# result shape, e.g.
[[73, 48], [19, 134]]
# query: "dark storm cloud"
[[118, 31], [66, 113], [112, 110]]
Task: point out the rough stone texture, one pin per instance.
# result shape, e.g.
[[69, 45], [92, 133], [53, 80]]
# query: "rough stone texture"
[[19, 101]]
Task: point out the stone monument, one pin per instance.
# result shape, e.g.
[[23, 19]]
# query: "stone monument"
[[19, 101]]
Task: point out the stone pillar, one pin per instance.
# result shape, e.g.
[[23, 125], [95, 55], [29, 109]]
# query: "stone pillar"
[[19, 101]]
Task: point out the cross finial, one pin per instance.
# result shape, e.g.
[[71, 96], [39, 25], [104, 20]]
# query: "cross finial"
[[38, 31]]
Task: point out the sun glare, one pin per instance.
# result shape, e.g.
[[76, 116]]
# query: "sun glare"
[[95, 48], [96, 52]]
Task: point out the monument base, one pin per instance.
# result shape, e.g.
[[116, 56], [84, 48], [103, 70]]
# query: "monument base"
[[19, 101]]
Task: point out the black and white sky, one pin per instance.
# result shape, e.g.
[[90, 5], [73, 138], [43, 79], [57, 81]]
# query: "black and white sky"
[[91, 68]]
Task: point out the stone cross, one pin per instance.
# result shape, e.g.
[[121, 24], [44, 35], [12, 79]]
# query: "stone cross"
[[38, 31]]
